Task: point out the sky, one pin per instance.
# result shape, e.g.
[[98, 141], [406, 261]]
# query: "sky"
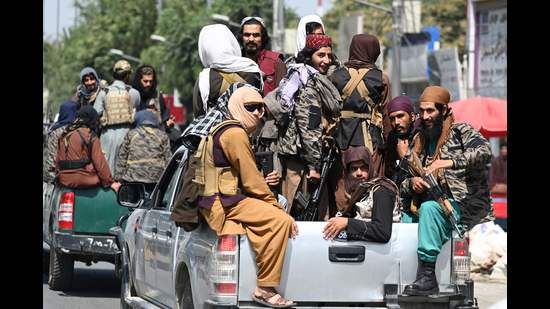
[[67, 13]]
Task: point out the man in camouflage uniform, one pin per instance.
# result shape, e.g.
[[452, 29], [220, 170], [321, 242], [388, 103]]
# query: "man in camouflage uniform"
[[314, 106], [144, 153], [457, 156], [116, 105]]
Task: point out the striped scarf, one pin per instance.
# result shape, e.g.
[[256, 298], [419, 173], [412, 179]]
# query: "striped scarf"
[[201, 126]]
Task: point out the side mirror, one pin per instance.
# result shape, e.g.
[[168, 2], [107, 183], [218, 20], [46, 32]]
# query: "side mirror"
[[131, 195]]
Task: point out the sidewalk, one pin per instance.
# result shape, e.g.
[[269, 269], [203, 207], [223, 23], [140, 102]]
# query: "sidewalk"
[[490, 293]]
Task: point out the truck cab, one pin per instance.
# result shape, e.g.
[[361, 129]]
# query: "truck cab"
[[165, 266]]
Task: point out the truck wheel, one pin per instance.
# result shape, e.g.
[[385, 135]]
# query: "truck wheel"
[[126, 286], [61, 270], [186, 297], [45, 262]]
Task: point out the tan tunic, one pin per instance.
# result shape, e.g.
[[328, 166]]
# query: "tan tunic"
[[259, 216]]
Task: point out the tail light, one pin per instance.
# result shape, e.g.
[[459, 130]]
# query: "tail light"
[[224, 270], [65, 214], [461, 259]]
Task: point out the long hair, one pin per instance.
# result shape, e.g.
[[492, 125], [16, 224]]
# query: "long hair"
[[306, 54], [266, 40], [145, 94]]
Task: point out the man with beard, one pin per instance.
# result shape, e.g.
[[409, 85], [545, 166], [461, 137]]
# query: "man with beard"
[[145, 81], [254, 40], [223, 64], [372, 207], [402, 121], [457, 156], [89, 87]]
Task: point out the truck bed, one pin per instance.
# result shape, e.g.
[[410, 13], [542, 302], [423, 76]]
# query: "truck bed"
[[308, 272]]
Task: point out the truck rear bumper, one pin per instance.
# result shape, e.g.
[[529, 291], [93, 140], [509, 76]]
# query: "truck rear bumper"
[[86, 244]]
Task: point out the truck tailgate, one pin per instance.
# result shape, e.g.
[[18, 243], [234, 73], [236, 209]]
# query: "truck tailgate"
[[310, 276], [96, 210]]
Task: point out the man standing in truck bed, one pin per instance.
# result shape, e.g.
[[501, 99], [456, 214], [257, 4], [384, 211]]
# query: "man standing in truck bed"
[[116, 105], [457, 156]]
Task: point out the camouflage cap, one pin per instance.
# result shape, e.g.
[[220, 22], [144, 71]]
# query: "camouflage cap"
[[122, 66]]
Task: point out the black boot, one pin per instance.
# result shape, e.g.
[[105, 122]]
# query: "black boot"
[[425, 283]]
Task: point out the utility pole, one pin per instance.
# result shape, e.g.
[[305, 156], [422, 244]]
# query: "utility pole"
[[57, 32], [278, 25], [396, 36], [395, 13]]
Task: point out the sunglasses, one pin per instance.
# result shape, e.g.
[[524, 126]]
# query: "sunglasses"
[[252, 107]]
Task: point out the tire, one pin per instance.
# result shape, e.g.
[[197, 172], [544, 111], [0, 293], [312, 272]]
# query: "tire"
[[126, 286], [61, 271], [186, 298], [45, 262]]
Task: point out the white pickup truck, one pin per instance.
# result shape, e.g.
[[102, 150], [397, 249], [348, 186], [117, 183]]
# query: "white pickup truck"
[[167, 267]]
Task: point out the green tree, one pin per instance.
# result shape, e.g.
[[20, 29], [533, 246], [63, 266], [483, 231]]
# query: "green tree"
[[106, 24], [180, 23], [127, 25]]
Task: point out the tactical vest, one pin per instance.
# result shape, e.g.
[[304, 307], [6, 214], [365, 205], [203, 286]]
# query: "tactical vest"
[[211, 179], [220, 82], [75, 164], [118, 107], [228, 79], [267, 61], [356, 82]]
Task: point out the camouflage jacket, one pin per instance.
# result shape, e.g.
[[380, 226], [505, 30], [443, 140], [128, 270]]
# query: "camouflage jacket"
[[466, 181], [143, 155], [50, 152], [318, 100]]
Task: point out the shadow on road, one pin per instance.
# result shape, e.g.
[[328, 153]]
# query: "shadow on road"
[[91, 282]]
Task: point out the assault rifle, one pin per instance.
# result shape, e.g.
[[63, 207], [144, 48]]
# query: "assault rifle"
[[306, 204], [435, 191]]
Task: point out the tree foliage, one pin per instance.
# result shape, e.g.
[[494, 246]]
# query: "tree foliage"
[[127, 26], [106, 24]]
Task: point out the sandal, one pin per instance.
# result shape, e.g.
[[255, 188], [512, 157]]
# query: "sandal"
[[277, 301]]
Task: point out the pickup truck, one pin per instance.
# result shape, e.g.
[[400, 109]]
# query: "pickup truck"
[[75, 227], [164, 266]]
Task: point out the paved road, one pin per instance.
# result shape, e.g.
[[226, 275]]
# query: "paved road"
[[95, 287], [490, 293]]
